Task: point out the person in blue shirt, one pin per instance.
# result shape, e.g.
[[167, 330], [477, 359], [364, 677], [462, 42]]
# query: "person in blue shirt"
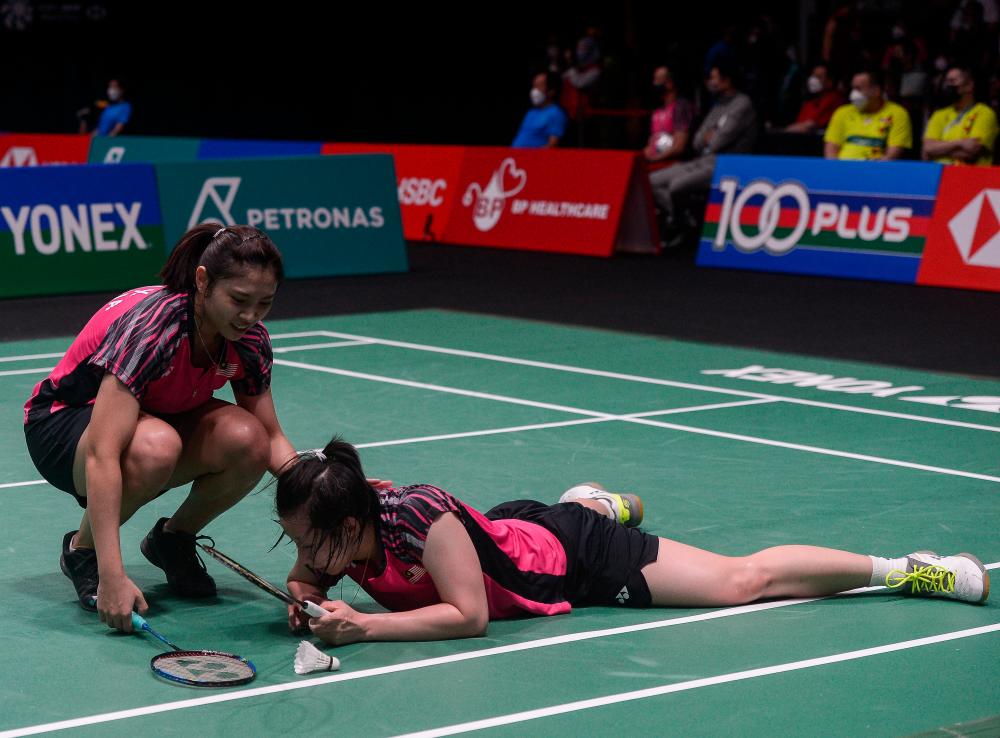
[[545, 123], [115, 112]]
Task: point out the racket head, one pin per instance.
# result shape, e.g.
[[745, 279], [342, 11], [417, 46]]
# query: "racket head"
[[202, 668], [249, 575]]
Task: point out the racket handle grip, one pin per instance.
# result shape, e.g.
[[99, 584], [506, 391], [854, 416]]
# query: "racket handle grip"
[[138, 621], [313, 610]]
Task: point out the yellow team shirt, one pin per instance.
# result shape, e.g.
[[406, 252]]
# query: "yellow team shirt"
[[949, 124], [868, 135]]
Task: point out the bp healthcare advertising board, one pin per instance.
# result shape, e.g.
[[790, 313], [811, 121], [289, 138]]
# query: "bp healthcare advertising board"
[[78, 229], [328, 215], [846, 219]]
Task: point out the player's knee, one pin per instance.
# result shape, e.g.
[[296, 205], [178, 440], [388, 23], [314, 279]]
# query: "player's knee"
[[748, 581], [244, 441], [151, 458]]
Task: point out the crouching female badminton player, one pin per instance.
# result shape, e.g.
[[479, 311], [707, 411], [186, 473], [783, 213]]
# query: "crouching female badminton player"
[[445, 570], [128, 413]]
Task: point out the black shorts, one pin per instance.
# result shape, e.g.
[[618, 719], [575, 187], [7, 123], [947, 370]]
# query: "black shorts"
[[52, 443], [604, 559]]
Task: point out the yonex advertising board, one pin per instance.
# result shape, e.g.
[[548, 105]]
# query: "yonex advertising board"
[[329, 215], [426, 181], [220, 148], [549, 200], [78, 229], [39, 149], [866, 220], [963, 249], [147, 149]]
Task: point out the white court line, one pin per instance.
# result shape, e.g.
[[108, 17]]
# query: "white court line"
[[29, 357], [310, 346], [661, 382], [423, 663], [641, 421], [737, 676], [39, 370], [510, 429]]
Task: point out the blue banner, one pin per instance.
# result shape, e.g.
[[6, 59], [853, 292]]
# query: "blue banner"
[[865, 220], [220, 148]]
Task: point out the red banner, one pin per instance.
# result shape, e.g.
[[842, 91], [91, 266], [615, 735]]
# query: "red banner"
[[34, 149], [963, 246], [553, 200], [426, 179]]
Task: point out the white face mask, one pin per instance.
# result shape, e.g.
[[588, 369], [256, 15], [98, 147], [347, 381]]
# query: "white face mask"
[[858, 99], [114, 94], [537, 97], [814, 85]]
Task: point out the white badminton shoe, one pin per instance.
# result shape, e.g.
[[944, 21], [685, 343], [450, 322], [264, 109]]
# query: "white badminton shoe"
[[959, 577], [625, 508]]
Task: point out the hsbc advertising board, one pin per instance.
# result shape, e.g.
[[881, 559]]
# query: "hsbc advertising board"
[[806, 216], [963, 248], [328, 215]]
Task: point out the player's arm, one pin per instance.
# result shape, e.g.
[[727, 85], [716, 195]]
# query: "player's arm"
[[112, 426], [303, 584], [262, 407], [452, 562]]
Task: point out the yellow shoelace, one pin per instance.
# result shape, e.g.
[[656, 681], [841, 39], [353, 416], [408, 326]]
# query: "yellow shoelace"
[[931, 578]]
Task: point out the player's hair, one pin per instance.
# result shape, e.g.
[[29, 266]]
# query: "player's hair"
[[329, 488], [224, 252]]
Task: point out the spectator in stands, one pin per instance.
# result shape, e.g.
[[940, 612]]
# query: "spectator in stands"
[[824, 98], [581, 78], [115, 112], [869, 126], [964, 131], [671, 124], [729, 127], [545, 123]]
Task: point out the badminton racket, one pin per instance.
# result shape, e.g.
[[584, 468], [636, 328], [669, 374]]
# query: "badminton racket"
[[196, 668], [310, 608]]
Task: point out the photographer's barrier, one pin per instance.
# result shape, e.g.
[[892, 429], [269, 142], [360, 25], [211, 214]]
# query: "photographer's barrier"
[[78, 229], [39, 149], [329, 215], [558, 200]]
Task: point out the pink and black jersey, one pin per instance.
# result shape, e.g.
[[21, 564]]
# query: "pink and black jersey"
[[144, 337], [523, 563]]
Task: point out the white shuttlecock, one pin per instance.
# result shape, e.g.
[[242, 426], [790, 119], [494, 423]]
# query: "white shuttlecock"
[[308, 659]]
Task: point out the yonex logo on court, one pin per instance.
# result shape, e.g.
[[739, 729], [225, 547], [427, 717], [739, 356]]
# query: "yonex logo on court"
[[222, 192], [976, 230], [19, 156]]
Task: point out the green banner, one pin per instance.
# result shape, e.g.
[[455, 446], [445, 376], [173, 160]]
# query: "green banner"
[[329, 215], [147, 149]]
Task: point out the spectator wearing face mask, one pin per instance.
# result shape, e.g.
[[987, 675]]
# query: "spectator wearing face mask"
[[869, 126], [545, 123], [115, 112], [671, 123], [823, 100], [964, 131]]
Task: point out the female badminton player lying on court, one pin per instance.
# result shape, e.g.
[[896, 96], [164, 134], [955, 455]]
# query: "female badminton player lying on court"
[[128, 413], [445, 569]]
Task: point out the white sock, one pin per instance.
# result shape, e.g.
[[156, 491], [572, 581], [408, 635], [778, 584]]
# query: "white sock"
[[881, 568]]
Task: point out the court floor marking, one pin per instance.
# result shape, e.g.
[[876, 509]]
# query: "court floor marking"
[[736, 676], [313, 346], [508, 429], [425, 663], [641, 421], [369, 340], [657, 381]]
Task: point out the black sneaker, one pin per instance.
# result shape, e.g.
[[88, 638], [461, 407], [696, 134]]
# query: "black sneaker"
[[175, 553], [81, 567]]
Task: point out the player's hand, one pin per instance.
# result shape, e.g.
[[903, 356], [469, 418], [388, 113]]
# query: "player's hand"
[[380, 483], [298, 620], [117, 596], [340, 626]]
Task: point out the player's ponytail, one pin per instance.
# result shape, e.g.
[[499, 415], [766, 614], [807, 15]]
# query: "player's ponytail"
[[223, 251]]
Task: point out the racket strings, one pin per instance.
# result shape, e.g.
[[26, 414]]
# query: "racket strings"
[[204, 668]]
